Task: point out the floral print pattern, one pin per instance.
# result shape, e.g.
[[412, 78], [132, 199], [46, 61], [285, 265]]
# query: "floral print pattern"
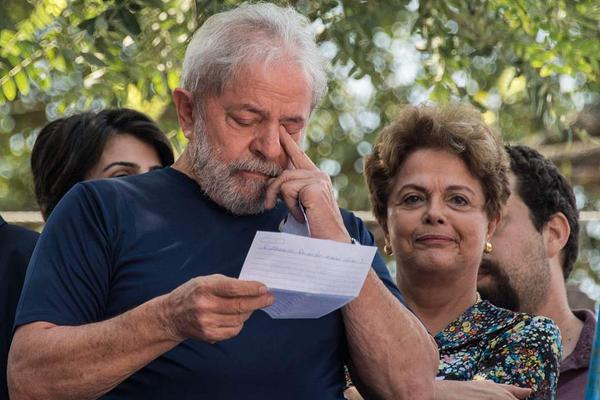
[[487, 342]]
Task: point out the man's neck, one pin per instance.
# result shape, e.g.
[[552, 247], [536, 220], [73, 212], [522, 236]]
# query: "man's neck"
[[184, 165], [556, 307]]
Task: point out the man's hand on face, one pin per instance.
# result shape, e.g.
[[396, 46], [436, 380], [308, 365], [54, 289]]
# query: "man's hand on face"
[[478, 390], [213, 308], [310, 186]]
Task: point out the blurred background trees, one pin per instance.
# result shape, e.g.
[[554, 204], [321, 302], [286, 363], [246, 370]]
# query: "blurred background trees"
[[532, 67]]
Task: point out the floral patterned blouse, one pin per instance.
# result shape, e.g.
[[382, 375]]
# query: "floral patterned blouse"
[[487, 342]]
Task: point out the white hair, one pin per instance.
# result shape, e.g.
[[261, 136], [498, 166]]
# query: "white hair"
[[251, 33]]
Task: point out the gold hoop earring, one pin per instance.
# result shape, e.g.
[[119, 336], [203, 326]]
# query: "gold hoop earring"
[[387, 250], [488, 247]]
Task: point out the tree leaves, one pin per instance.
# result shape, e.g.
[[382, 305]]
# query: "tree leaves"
[[506, 56], [9, 88]]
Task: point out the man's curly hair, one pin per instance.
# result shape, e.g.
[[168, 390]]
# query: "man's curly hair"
[[545, 191]]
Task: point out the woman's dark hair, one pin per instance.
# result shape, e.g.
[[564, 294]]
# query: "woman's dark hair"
[[67, 149]]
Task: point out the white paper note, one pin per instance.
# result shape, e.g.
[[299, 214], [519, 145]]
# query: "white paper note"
[[309, 277], [293, 227]]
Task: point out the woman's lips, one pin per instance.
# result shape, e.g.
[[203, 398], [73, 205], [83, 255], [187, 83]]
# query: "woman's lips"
[[434, 239]]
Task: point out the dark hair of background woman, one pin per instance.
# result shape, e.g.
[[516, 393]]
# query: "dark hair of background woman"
[[67, 149]]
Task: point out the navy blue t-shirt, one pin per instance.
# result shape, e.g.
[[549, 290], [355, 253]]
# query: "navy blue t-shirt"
[[111, 245], [16, 246]]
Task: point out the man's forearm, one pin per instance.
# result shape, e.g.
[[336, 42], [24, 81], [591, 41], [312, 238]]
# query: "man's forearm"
[[84, 362], [81, 362], [392, 354]]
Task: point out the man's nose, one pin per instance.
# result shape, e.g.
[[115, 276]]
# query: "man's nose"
[[266, 143]]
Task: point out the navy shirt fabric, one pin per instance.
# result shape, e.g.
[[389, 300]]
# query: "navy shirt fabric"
[[111, 245], [16, 246]]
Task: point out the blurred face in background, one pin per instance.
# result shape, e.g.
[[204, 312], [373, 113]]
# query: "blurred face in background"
[[516, 274], [125, 155]]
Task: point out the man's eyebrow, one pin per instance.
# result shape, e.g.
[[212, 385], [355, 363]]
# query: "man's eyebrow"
[[295, 119], [265, 114], [121, 164], [249, 107]]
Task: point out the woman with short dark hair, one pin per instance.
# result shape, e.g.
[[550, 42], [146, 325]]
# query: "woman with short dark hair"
[[438, 181], [110, 143]]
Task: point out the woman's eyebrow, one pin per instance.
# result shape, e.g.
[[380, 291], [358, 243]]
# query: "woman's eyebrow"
[[122, 164], [413, 186], [460, 187]]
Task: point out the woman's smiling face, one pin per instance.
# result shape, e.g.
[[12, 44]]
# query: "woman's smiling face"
[[436, 221]]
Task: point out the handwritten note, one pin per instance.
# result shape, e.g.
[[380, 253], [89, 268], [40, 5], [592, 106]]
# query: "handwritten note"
[[309, 277]]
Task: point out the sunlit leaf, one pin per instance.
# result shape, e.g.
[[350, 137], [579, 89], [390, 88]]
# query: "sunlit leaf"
[[22, 83], [158, 84], [9, 88], [173, 79], [93, 60]]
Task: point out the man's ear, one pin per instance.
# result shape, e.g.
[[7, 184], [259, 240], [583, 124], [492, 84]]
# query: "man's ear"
[[556, 234], [184, 104]]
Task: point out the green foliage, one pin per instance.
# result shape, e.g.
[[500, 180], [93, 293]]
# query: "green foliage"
[[528, 65]]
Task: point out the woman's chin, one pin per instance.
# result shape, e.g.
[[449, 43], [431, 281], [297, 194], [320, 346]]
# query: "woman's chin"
[[434, 265]]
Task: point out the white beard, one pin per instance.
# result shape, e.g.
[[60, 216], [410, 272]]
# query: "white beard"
[[223, 183]]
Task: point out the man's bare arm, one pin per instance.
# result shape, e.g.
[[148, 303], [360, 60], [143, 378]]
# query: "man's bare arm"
[[393, 356], [84, 362]]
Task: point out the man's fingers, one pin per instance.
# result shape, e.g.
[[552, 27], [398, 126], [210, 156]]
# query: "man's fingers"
[[242, 305], [290, 193], [275, 184], [518, 392], [224, 286], [298, 158]]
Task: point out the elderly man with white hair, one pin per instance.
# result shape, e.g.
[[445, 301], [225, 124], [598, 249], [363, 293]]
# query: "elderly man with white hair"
[[133, 291]]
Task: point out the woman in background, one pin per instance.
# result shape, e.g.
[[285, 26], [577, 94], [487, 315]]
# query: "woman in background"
[[90, 145], [107, 144], [438, 181]]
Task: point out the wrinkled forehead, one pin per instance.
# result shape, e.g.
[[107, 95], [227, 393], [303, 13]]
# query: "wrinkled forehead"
[[270, 88]]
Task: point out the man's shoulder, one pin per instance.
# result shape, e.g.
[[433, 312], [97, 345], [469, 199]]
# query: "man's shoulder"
[[16, 237], [16, 247], [152, 179], [581, 355], [587, 317], [348, 216], [574, 368], [152, 185], [586, 337], [353, 223]]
